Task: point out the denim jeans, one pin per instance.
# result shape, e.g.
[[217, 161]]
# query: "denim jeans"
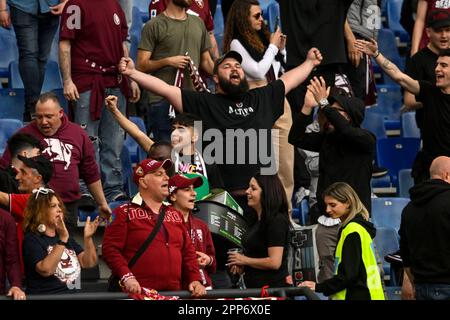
[[158, 121], [34, 35], [107, 137], [432, 291]]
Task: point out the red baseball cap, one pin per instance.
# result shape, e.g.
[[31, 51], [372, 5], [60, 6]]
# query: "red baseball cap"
[[149, 165], [180, 181]]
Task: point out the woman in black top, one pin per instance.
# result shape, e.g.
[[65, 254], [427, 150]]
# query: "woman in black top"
[[264, 261], [52, 259]]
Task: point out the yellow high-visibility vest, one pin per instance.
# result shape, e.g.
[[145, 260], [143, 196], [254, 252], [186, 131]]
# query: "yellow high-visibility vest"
[[368, 256]]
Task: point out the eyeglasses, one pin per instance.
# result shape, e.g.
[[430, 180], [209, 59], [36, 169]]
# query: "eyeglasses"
[[257, 15], [42, 190]]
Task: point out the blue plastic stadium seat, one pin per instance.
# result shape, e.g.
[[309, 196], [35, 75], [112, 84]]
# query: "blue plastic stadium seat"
[[394, 8], [389, 101], [374, 122], [54, 51], [218, 21], [396, 154], [8, 50], [52, 79], [12, 102], [7, 128], [409, 125], [133, 147], [296, 214], [136, 20], [405, 182], [127, 172], [304, 211], [143, 6], [134, 39], [83, 214], [388, 46], [387, 212], [386, 242], [381, 182]]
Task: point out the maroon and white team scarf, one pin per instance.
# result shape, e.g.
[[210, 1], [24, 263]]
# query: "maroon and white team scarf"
[[197, 81]]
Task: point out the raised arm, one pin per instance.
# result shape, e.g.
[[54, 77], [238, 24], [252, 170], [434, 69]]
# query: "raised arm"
[[88, 257], [293, 78], [371, 48], [129, 126], [152, 84]]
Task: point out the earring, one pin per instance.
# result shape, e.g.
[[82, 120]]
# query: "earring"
[[41, 228]]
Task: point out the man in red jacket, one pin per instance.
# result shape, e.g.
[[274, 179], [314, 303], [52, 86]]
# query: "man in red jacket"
[[71, 151], [170, 259]]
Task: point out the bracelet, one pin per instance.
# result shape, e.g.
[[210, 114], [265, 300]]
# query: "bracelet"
[[126, 277], [3, 10], [211, 262], [376, 56]]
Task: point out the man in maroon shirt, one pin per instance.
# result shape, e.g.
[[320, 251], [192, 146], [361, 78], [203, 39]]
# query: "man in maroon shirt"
[[170, 260], [9, 258], [92, 41], [71, 151]]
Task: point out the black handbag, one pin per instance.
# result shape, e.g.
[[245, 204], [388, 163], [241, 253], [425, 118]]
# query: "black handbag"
[[113, 280]]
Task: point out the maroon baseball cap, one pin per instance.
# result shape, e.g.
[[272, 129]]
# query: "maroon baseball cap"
[[180, 181], [149, 165], [438, 18]]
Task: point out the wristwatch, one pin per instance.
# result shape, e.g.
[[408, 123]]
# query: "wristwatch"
[[62, 243], [323, 102]]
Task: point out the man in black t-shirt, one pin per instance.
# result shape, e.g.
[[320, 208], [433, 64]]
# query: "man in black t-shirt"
[[236, 121], [421, 67], [434, 97]]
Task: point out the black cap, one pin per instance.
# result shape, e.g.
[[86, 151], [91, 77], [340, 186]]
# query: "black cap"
[[41, 164], [229, 54], [438, 19], [353, 106]]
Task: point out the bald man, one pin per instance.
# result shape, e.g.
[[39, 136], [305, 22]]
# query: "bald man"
[[425, 234]]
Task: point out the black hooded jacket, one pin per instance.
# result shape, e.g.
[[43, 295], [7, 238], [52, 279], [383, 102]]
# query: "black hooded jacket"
[[351, 273], [346, 154], [425, 232]]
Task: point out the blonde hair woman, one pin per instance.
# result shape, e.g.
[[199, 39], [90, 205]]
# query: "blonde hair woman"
[[356, 276]]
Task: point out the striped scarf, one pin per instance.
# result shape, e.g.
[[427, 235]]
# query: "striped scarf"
[[197, 81]]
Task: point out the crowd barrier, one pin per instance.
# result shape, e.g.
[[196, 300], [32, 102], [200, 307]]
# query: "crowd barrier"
[[211, 294]]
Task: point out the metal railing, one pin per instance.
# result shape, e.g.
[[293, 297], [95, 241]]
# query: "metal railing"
[[211, 294]]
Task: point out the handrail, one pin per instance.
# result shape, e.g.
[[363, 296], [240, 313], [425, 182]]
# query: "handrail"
[[211, 294]]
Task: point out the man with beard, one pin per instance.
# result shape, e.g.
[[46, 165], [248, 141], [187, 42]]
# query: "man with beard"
[[167, 58], [233, 113], [345, 155]]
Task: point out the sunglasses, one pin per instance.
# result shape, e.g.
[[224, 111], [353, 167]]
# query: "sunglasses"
[[257, 15]]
